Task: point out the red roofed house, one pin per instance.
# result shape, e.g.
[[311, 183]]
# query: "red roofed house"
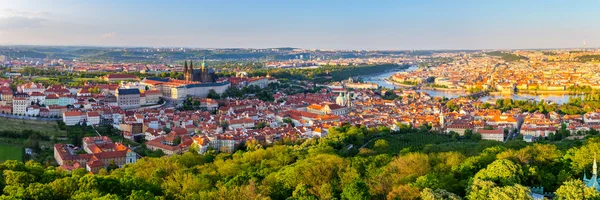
[[241, 123], [93, 118], [171, 143], [73, 117], [101, 152], [497, 135]]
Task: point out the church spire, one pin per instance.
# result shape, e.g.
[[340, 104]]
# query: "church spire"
[[191, 67], [595, 166], [203, 63]]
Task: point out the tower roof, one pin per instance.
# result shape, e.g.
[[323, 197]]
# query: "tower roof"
[[185, 67]]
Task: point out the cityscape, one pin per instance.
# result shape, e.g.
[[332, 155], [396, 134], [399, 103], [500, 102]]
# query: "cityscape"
[[112, 106]]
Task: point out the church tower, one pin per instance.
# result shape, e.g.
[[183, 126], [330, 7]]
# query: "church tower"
[[203, 65], [189, 72], [185, 70], [340, 100], [349, 103]]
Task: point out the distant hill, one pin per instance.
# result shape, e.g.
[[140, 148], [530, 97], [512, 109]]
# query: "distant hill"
[[507, 56]]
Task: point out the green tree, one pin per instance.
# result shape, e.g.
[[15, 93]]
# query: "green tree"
[[356, 190], [455, 136], [381, 145], [141, 195], [404, 192], [177, 140], [576, 189], [429, 194], [302, 191], [39, 191], [468, 133], [212, 94]]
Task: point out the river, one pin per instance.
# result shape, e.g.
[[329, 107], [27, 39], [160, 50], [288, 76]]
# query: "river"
[[379, 79]]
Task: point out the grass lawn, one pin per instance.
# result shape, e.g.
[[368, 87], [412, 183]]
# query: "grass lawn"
[[44, 127], [86, 79], [11, 152], [41, 78]]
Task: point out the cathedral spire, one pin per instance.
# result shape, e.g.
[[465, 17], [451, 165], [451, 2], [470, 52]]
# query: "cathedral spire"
[[191, 67], [185, 68]]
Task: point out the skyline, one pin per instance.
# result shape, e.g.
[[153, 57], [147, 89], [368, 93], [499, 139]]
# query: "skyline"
[[381, 25]]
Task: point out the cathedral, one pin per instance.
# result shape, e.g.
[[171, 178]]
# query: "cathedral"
[[594, 181], [204, 75]]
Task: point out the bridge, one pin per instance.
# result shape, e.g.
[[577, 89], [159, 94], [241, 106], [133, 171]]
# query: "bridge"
[[477, 95]]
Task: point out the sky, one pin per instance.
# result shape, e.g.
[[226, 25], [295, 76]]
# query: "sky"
[[310, 24]]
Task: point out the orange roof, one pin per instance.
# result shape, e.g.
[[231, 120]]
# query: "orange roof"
[[72, 113], [315, 107]]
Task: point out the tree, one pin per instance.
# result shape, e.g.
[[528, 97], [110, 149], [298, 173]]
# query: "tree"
[[260, 125], [357, 190], [499, 180], [18, 178], [576, 189], [476, 137], [551, 137], [141, 195], [404, 192], [455, 136], [302, 191], [409, 167], [481, 189], [503, 172], [593, 131], [429, 194], [224, 125], [113, 166], [212, 94], [468, 133], [177, 140], [381, 145], [39, 191]]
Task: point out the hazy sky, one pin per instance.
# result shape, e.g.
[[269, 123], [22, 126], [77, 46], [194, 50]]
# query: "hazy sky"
[[330, 24]]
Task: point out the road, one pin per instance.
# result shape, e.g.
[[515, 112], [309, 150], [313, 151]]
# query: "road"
[[167, 104]]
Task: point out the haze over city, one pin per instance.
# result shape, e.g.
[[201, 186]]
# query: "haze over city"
[[337, 24]]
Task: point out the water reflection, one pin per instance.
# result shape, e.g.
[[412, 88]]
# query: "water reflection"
[[379, 79]]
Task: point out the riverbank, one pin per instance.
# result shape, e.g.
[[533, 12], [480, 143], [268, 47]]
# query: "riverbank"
[[400, 68], [444, 89], [535, 92], [398, 84], [426, 87]]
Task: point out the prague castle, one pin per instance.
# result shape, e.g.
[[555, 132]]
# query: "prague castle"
[[203, 76], [196, 83]]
